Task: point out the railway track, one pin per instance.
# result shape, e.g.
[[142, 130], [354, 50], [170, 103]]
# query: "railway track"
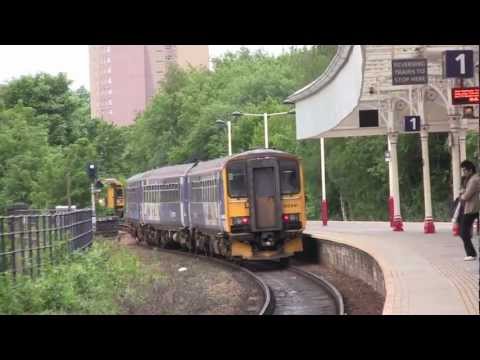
[[286, 291], [298, 292]]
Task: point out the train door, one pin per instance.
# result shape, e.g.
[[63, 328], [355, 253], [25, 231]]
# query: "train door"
[[264, 194]]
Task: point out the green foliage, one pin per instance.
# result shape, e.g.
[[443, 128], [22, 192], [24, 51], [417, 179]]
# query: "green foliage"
[[56, 107], [356, 171], [97, 281], [102, 211], [23, 145], [46, 140], [179, 125], [47, 137]]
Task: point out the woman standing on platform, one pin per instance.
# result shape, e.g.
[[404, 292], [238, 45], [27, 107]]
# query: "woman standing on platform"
[[471, 201]]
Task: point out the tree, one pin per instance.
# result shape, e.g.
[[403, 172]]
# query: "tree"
[[109, 144], [179, 125], [47, 137], [58, 108], [23, 146], [63, 179]]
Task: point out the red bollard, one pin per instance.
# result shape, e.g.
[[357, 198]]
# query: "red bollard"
[[397, 224], [429, 226], [324, 212]]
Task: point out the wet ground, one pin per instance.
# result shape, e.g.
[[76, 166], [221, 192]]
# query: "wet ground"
[[359, 298], [296, 295]]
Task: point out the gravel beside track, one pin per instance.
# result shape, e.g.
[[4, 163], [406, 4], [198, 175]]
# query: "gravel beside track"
[[199, 285]]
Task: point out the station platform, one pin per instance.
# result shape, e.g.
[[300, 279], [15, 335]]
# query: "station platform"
[[424, 274]]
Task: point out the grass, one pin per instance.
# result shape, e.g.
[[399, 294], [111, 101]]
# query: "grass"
[[105, 279]]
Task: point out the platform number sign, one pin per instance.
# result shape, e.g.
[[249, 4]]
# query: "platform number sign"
[[459, 64], [412, 123]]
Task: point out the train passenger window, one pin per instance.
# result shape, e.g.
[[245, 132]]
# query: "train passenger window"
[[209, 190], [289, 178], [237, 179]]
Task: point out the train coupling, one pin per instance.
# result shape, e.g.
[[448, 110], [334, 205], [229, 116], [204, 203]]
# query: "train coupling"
[[267, 239]]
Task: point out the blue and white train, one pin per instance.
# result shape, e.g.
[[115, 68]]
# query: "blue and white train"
[[248, 206]]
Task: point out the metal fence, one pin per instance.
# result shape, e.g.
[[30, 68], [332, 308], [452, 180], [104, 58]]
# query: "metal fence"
[[29, 242]]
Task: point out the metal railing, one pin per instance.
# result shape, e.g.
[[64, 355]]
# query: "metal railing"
[[29, 242]]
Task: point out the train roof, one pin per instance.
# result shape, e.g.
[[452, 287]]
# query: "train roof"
[[202, 166], [135, 177], [168, 171], [209, 166], [109, 181], [218, 164], [261, 152], [163, 172]]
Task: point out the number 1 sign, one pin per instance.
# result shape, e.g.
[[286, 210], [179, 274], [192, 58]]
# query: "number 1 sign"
[[412, 123], [459, 64]]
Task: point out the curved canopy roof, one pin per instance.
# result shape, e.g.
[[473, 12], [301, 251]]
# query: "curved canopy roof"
[[324, 103], [359, 77]]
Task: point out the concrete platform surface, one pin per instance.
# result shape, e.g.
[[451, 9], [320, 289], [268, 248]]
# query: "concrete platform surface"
[[424, 273]]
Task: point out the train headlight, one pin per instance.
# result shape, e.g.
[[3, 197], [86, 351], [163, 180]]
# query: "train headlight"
[[294, 217], [241, 220], [291, 218]]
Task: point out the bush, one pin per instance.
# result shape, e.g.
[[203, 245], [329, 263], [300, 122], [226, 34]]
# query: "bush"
[[98, 281], [102, 211]]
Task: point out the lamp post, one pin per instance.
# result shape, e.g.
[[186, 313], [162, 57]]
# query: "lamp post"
[[229, 129], [265, 120]]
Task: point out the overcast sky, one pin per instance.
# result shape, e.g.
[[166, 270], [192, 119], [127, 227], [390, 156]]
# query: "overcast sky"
[[18, 60]]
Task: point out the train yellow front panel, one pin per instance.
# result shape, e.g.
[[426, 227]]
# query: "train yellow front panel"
[[295, 204], [241, 249], [294, 245], [110, 197], [238, 208]]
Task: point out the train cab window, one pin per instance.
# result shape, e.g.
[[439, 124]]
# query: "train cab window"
[[289, 178], [237, 179], [119, 192]]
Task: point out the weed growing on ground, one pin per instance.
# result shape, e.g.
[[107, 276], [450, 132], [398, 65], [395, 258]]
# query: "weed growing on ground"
[[100, 280]]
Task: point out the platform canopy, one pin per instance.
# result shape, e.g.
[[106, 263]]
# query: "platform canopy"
[[359, 77]]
